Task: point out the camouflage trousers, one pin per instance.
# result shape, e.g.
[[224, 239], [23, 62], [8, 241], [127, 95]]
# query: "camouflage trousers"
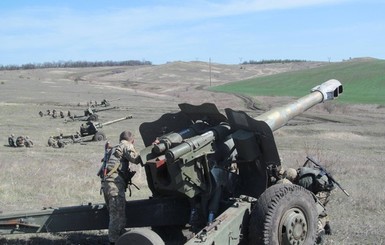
[[114, 194]]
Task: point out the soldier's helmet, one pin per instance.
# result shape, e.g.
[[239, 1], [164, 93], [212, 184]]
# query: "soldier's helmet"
[[126, 135], [290, 174]]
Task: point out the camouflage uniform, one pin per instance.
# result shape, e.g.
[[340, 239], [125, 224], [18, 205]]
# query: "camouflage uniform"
[[52, 142], [114, 184], [20, 141], [28, 142], [316, 181], [12, 140]]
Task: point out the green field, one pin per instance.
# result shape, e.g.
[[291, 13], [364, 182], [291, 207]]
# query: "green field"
[[363, 81]]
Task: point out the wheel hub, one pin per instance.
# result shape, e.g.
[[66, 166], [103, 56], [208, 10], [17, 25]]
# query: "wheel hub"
[[294, 227]]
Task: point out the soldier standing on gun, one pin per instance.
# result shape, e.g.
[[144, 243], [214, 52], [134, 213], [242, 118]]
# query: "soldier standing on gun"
[[116, 174]]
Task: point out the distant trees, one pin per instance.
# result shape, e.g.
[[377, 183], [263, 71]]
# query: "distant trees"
[[255, 62], [74, 64]]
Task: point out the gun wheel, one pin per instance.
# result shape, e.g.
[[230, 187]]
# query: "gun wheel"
[[99, 136], [140, 236], [284, 214]]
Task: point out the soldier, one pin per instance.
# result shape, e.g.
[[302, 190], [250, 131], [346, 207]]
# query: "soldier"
[[60, 142], [116, 175], [69, 114], [48, 112], [12, 141], [105, 103], [52, 142], [28, 142], [316, 181], [20, 141], [41, 114], [61, 114], [289, 176], [54, 114]]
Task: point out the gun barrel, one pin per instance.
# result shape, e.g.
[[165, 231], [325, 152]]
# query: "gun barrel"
[[104, 109], [278, 117], [114, 121], [189, 145], [197, 142]]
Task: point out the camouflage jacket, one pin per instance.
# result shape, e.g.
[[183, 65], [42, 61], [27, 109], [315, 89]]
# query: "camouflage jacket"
[[314, 180], [119, 159]]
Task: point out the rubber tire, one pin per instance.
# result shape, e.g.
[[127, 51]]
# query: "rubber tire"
[[99, 136], [140, 236], [275, 208]]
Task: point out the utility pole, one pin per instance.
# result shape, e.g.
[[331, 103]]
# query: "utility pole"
[[210, 70]]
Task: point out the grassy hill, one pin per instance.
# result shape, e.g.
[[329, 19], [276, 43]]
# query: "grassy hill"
[[363, 81]]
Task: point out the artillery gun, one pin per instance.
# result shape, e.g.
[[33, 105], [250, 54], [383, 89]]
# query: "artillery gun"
[[89, 114], [90, 130], [188, 159], [104, 103], [61, 140], [91, 111]]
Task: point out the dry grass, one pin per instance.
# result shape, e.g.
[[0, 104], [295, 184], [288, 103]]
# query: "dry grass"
[[351, 144]]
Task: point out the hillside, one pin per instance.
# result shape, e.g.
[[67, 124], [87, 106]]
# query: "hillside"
[[363, 79]]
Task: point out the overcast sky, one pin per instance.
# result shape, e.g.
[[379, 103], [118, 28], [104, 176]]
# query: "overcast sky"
[[227, 31]]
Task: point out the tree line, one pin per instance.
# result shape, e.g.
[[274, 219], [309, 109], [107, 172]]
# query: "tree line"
[[259, 62], [74, 64]]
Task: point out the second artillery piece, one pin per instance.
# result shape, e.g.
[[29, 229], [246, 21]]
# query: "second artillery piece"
[[90, 114], [89, 131], [103, 103]]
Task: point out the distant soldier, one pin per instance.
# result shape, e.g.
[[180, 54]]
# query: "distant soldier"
[[60, 142], [69, 114], [61, 114], [12, 141], [52, 142], [20, 141], [105, 103], [28, 142], [48, 112], [89, 111], [54, 114], [41, 114]]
